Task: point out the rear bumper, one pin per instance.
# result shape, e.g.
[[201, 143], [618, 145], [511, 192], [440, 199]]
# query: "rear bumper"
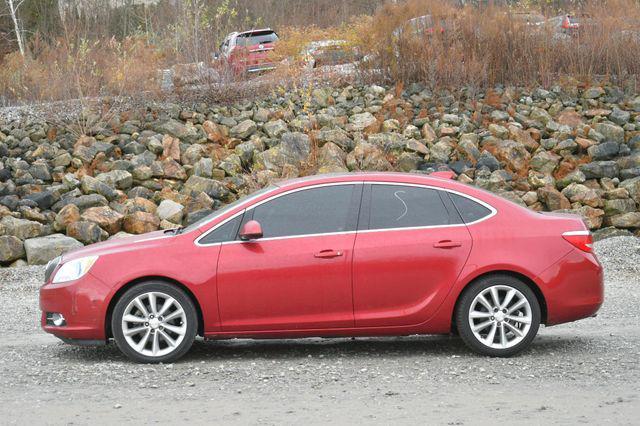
[[573, 288], [83, 303], [259, 68]]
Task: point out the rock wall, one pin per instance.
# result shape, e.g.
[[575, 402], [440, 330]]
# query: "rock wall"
[[568, 148]]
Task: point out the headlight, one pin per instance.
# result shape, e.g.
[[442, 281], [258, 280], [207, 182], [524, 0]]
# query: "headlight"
[[74, 269]]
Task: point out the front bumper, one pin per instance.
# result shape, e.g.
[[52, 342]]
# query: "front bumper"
[[574, 288], [83, 303]]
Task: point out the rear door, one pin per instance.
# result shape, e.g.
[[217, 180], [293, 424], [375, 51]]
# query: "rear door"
[[410, 248]]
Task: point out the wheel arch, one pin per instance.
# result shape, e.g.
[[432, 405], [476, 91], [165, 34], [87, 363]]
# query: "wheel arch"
[[118, 294], [517, 275]]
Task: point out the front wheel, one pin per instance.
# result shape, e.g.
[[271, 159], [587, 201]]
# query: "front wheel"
[[498, 316], [154, 322]]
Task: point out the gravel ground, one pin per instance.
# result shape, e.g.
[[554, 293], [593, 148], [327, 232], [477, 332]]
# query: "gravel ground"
[[584, 372]]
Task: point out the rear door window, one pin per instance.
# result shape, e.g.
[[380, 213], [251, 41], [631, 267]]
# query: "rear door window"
[[398, 206]]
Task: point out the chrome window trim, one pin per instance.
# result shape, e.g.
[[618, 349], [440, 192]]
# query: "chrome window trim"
[[493, 210]]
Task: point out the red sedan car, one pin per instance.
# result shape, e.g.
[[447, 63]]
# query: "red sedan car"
[[376, 254]]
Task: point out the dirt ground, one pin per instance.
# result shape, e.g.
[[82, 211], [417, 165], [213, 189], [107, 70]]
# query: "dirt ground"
[[584, 372]]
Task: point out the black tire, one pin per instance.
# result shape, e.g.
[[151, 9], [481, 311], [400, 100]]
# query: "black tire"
[[190, 316], [464, 306]]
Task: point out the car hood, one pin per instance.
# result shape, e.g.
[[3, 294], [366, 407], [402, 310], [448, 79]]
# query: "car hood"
[[117, 245]]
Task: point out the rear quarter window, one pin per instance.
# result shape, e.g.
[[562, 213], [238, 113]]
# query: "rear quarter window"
[[470, 211], [398, 206]]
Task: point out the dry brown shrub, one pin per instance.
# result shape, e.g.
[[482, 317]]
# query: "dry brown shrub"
[[484, 47]]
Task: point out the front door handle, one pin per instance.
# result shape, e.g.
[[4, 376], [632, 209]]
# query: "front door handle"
[[328, 254], [446, 244]]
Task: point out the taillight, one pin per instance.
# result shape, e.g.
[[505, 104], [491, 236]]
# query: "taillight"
[[580, 239]]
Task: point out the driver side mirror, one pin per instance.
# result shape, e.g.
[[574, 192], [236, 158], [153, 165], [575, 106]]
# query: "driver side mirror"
[[251, 230]]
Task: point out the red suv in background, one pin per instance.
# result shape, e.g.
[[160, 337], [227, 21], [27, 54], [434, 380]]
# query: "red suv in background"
[[249, 51]]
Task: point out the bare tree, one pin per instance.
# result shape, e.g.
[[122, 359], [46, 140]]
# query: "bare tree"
[[14, 5]]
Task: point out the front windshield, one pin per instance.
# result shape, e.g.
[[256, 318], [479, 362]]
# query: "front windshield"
[[226, 208]]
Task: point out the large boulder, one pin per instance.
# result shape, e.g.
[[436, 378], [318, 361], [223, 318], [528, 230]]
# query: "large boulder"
[[21, 228], [141, 223], [185, 132], [600, 169], [11, 248], [331, 159], [105, 217], [120, 179], [41, 250], [513, 154], [366, 156], [578, 193], [197, 184], [244, 129], [293, 150], [86, 232], [633, 188], [626, 220], [91, 185], [610, 132], [604, 151], [171, 211], [360, 122], [67, 215], [619, 206], [553, 199], [275, 129]]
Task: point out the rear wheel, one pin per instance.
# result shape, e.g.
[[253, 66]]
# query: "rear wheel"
[[498, 316], [154, 322]]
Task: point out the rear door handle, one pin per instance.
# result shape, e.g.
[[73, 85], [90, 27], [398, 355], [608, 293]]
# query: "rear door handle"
[[446, 244], [328, 254]]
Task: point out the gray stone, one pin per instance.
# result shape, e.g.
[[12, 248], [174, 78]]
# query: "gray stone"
[[361, 121], [610, 132], [244, 129], [619, 116], [292, 150], [171, 211], [610, 232], [604, 151], [337, 136], [91, 185], [331, 159], [633, 187], [600, 169], [626, 220], [593, 93], [619, 206], [86, 232], [185, 132], [21, 228], [120, 179], [41, 250], [11, 248], [213, 188]]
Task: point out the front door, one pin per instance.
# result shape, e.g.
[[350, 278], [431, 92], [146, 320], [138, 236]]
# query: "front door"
[[408, 253], [298, 276]]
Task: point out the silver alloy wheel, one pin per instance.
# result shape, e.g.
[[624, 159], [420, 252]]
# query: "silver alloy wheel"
[[500, 317], [154, 324]]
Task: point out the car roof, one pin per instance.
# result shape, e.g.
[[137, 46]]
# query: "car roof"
[[361, 176], [259, 30]]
